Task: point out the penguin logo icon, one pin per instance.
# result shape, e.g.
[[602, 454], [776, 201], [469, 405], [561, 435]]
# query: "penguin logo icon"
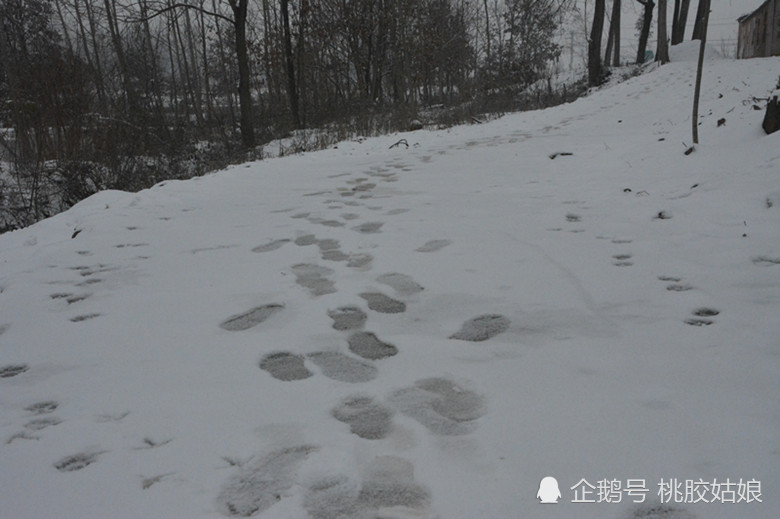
[[548, 490]]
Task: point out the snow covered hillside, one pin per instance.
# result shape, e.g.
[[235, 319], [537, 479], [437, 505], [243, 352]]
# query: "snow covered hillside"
[[422, 331]]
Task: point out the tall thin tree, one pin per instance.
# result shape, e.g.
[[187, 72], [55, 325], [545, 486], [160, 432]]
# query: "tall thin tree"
[[594, 44], [662, 46], [647, 21], [678, 29], [703, 35]]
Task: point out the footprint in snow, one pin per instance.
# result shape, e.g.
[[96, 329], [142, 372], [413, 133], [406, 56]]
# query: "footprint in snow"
[[77, 461], [342, 368], [12, 370], [766, 261], [622, 260], [701, 317], [39, 424], [327, 244], [360, 260], [382, 303], [441, 405], [251, 318], [401, 283], [314, 277], [330, 250], [85, 317], [388, 487], [366, 417], [369, 227], [347, 318], [46, 407], [147, 483], [482, 328], [368, 346], [149, 443], [658, 511], [698, 322], [306, 239], [679, 287], [285, 366], [433, 245], [77, 298], [270, 246], [262, 484]]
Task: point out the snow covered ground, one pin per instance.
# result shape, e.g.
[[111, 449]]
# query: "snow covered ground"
[[427, 331]]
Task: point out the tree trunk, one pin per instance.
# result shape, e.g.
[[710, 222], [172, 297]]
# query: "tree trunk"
[[226, 77], [662, 47], [647, 21], [64, 26], [151, 58], [300, 50], [616, 21], [487, 33], [93, 66], [173, 94], [701, 12], [613, 43], [194, 77], [292, 90], [594, 45], [113, 27], [100, 78], [189, 81], [678, 32], [239, 8], [206, 68], [703, 34]]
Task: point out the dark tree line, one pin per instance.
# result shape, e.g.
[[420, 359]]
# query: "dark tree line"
[[99, 94]]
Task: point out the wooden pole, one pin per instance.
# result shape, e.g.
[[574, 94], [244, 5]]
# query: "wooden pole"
[[697, 91]]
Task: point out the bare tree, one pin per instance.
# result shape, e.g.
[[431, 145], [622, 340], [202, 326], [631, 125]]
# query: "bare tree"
[[594, 44], [680, 19], [647, 21], [662, 46], [704, 6], [702, 11], [613, 42], [292, 89]]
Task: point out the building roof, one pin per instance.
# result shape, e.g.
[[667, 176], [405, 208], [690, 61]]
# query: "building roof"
[[745, 17]]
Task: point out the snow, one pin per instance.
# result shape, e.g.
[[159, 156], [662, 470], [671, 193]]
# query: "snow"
[[606, 314]]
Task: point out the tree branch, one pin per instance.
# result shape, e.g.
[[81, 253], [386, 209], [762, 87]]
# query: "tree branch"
[[184, 6]]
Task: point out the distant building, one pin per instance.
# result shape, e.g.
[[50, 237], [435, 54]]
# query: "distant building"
[[759, 32]]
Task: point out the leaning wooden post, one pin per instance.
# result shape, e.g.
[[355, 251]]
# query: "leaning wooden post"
[[698, 74]]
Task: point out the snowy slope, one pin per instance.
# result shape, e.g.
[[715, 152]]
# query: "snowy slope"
[[174, 353]]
